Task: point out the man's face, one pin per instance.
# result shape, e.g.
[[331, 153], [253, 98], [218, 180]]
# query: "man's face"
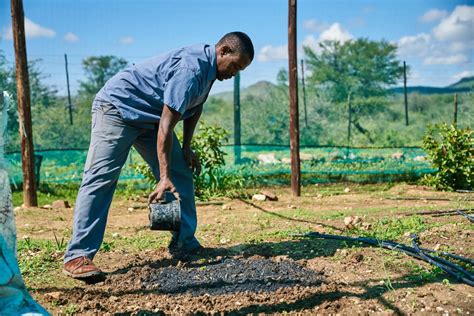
[[228, 63]]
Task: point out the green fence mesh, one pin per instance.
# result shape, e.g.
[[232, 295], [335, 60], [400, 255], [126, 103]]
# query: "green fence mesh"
[[318, 164]]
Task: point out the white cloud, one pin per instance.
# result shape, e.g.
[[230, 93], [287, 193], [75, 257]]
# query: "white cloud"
[[269, 53], [417, 45], [433, 15], [127, 40], [32, 30], [445, 60], [71, 37], [463, 74], [458, 26], [335, 33], [314, 25], [450, 42], [312, 42]]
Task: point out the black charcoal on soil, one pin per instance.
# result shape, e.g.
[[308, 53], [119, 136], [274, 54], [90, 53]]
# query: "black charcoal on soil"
[[232, 275]]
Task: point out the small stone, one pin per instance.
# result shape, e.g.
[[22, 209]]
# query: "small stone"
[[291, 206], [439, 309], [398, 156], [130, 209], [270, 195], [226, 207], [436, 247], [352, 221], [47, 206], [61, 204], [259, 197], [347, 190], [115, 235], [56, 296]]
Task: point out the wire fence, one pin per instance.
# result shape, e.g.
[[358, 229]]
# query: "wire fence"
[[270, 164]]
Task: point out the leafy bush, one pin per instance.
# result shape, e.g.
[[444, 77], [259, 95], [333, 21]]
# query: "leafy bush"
[[213, 181], [451, 151]]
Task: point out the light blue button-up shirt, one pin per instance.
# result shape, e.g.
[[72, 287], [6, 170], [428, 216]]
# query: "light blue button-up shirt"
[[181, 79]]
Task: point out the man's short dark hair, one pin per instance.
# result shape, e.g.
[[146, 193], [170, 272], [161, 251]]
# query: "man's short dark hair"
[[239, 42]]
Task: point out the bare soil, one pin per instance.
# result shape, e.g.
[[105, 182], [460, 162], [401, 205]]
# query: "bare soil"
[[254, 264]]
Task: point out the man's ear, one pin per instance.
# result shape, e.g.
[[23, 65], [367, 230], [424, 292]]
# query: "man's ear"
[[225, 50]]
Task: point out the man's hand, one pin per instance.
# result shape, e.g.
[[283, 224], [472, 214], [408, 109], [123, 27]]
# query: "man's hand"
[[192, 160], [165, 184]]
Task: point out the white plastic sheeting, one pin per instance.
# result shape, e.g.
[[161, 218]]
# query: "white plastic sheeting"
[[14, 297]]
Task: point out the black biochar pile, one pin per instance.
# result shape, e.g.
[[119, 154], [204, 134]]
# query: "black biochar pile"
[[231, 275]]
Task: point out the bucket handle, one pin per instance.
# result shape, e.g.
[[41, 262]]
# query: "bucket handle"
[[175, 193]]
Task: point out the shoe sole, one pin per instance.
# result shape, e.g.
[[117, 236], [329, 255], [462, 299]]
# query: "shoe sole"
[[83, 275]]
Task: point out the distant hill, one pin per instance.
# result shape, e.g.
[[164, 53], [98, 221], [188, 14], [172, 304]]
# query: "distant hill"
[[467, 82], [263, 88], [464, 85]]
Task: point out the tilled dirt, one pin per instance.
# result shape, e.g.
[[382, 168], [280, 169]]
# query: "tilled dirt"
[[252, 268]]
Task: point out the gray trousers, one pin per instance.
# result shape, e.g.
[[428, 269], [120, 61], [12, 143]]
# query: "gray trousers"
[[111, 141]]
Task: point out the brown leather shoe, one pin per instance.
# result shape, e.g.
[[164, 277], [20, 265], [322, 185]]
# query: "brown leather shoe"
[[81, 268]]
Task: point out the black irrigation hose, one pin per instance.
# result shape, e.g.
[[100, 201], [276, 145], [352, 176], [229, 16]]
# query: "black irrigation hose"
[[447, 254], [415, 251], [445, 267], [469, 217]]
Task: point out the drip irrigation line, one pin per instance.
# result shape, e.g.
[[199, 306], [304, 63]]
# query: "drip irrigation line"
[[418, 199], [450, 255], [426, 199], [415, 251], [440, 213], [469, 217], [445, 267]]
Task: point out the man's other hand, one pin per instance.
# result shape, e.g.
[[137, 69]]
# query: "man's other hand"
[[165, 184], [192, 160]]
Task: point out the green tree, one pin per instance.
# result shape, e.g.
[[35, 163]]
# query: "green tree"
[[356, 74], [362, 68], [282, 77], [42, 98], [98, 70]]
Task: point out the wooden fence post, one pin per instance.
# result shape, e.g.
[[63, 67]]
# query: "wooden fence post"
[[293, 94], [24, 110]]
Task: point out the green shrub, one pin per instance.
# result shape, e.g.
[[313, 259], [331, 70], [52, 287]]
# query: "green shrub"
[[213, 181], [451, 151]]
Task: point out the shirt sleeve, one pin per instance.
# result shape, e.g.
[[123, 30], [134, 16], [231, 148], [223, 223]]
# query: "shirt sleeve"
[[181, 89]]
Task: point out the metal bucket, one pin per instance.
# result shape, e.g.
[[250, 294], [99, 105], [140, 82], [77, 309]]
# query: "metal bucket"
[[166, 214]]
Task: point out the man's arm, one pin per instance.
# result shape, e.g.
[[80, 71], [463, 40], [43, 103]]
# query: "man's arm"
[[169, 119], [189, 125]]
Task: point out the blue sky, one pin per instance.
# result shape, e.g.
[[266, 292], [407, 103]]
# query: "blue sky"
[[436, 38]]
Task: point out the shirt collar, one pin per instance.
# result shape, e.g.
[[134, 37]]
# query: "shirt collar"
[[211, 54]]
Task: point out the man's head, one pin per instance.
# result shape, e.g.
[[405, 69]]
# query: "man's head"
[[234, 53]]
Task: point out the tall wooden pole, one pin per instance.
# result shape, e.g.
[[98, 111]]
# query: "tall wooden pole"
[[304, 95], [455, 110], [68, 90], [405, 91], [24, 110], [237, 149], [293, 93]]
